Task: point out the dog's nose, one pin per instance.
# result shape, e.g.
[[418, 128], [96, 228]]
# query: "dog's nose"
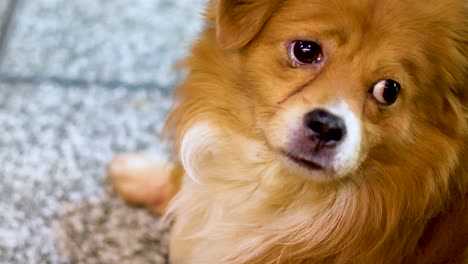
[[324, 127]]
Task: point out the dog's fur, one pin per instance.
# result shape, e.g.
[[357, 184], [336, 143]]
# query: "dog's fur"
[[402, 199]]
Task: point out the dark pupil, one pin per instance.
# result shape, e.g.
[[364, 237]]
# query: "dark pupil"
[[392, 89], [307, 51]]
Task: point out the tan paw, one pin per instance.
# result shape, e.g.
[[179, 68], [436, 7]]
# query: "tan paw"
[[141, 180]]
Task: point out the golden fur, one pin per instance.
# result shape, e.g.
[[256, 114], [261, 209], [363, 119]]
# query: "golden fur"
[[405, 202]]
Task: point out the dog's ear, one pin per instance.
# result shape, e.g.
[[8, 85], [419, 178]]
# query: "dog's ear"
[[239, 21]]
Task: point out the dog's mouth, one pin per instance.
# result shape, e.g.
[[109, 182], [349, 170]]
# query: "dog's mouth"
[[303, 162]]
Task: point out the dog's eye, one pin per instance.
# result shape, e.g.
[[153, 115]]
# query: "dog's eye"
[[386, 91], [305, 52]]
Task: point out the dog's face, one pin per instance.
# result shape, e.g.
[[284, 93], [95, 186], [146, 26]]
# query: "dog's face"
[[369, 94], [338, 84]]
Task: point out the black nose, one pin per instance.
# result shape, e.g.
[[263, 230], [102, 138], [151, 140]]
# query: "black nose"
[[324, 126]]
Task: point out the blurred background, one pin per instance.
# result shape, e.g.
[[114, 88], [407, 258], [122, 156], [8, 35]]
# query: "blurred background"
[[80, 81]]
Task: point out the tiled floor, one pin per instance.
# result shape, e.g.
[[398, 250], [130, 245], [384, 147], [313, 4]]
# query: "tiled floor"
[[6, 11], [3, 7], [3, 10], [101, 41], [79, 82]]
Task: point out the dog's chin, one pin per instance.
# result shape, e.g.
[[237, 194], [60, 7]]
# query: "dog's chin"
[[308, 168]]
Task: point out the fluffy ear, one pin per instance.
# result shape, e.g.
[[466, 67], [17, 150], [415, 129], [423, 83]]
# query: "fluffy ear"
[[239, 21]]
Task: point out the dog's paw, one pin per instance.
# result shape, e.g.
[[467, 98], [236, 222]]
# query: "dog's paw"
[[141, 180]]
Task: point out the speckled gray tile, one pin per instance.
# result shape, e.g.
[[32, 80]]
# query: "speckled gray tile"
[[54, 146], [108, 232], [98, 40], [3, 8], [6, 12]]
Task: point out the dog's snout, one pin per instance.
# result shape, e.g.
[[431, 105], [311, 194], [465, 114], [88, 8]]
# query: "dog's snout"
[[325, 126]]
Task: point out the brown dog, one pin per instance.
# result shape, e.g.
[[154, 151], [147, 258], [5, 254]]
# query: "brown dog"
[[314, 131]]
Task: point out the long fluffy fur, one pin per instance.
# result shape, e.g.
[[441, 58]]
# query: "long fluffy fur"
[[405, 203]]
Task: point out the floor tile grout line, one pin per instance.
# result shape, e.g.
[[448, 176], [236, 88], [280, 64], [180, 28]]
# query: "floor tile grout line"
[[67, 82], [5, 27]]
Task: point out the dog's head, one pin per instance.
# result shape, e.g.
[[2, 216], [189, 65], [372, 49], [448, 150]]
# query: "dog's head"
[[339, 91], [336, 84]]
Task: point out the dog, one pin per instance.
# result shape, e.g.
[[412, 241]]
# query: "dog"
[[317, 131]]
